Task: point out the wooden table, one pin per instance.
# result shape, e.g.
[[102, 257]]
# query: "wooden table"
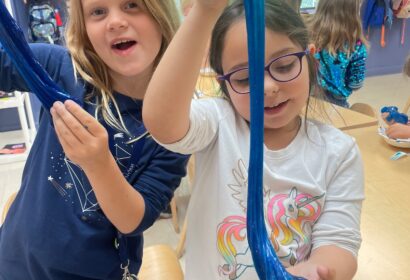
[[385, 251], [339, 117]]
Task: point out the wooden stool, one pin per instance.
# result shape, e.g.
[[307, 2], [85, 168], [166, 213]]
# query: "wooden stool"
[[191, 174], [160, 262], [364, 109], [174, 214], [7, 206]]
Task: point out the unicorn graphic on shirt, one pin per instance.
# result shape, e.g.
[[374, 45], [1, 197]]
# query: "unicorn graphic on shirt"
[[291, 217], [231, 233]]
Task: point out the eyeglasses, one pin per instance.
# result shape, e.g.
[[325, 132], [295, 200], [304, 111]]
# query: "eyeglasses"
[[282, 69]]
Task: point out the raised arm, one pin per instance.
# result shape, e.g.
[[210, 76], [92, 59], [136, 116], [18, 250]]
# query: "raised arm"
[[168, 98]]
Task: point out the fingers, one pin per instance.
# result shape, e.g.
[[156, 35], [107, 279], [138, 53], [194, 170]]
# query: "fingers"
[[86, 120], [67, 139], [385, 117], [398, 130], [70, 118]]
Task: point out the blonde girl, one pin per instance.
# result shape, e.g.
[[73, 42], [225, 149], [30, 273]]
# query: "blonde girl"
[[94, 180]]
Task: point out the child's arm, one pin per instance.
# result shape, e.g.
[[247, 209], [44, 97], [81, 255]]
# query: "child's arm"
[[357, 67], [336, 235], [398, 131], [85, 142], [168, 99]]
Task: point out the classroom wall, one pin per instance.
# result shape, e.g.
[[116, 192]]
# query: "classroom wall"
[[390, 59]]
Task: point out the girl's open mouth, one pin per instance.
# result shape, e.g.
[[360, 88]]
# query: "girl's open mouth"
[[275, 109], [124, 47]]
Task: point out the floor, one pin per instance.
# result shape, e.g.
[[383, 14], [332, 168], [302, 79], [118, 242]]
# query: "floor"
[[377, 91]]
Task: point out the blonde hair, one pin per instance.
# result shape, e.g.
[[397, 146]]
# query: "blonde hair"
[[90, 66], [336, 25], [406, 67]]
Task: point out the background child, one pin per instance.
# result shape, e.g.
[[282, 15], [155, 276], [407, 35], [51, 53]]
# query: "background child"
[[336, 30], [313, 175], [107, 182], [398, 130]]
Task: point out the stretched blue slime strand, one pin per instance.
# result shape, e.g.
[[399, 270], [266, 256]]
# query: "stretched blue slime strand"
[[37, 79], [267, 264]]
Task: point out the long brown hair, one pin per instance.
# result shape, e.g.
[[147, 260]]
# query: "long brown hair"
[[336, 25], [91, 67]]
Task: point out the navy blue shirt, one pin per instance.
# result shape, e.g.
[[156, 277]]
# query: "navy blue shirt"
[[55, 229]]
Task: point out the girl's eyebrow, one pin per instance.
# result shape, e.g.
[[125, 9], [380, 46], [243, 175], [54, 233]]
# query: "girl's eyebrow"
[[274, 55], [282, 52], [90, 3]]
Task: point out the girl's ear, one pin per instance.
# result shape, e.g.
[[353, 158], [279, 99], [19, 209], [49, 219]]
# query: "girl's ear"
[[312, 49]]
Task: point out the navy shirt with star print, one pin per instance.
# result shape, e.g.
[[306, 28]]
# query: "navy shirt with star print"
[[55, 229]]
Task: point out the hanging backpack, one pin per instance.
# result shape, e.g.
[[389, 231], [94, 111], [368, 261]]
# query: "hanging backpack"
[[377, 13], [401, 9], [43, 25]]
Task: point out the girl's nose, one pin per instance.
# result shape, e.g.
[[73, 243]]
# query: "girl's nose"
[[116, 22], [271, 86]]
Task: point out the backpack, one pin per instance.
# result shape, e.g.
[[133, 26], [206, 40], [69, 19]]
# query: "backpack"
[[401, 9], [373, 14], [43, 24], [377, 13]]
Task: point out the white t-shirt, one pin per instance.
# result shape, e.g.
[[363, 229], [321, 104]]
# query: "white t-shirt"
[[313, 193]]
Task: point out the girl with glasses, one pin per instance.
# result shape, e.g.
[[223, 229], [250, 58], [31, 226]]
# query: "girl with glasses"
[[336, 30], [313, 175], [94, 180]]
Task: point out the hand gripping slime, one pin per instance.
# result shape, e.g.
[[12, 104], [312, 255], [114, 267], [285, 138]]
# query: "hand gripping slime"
[[37, 79], [266, 262]]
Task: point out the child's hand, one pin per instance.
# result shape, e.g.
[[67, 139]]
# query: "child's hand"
[[312, 271], [83, 138], [398, 131], [385, 117]]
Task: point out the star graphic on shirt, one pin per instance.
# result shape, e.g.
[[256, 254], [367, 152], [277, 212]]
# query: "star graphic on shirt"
[[68, 185], [50, 178]]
